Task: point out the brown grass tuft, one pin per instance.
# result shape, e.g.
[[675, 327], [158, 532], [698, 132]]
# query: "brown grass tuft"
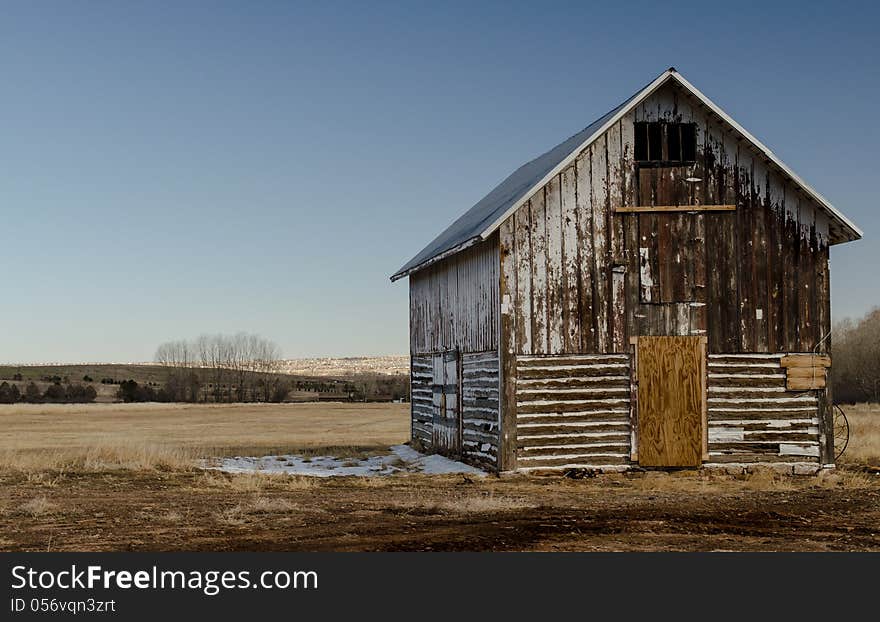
[[842, 478], [472, 504], [269, 505], [100, 457], [768, 479], [38, 506]]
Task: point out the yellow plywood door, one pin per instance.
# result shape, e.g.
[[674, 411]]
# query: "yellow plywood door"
[[671, 398]]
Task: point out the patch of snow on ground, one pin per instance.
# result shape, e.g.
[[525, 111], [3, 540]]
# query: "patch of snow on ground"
[[400, 459]]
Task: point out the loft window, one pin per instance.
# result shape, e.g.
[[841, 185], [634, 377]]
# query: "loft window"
[[659, 142]]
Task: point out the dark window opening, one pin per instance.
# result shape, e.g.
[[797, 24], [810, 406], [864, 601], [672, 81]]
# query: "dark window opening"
[[641, 148], [688, 142], [660, 142], [655, 141]]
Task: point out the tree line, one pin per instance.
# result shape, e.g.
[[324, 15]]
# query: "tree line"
[[222, 368], [54, 393], [855, 368]]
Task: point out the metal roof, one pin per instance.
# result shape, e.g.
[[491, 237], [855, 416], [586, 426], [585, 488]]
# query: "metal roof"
[[484, 218]]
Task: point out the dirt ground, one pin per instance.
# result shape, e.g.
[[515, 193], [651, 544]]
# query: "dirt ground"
[[156, 500], [155, 510]]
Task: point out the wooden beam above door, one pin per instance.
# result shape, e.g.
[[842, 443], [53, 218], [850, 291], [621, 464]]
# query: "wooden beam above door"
[[674, 208]]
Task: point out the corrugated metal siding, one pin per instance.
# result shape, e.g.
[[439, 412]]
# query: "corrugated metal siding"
[[573, 412], [421, 379], [454, 304], [479, 404], [752, 418]]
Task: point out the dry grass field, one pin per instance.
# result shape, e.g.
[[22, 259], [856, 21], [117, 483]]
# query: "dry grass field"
[[123, 477], [174, 435]]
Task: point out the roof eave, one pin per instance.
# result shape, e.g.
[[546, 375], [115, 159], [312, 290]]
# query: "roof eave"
[[452, 251]]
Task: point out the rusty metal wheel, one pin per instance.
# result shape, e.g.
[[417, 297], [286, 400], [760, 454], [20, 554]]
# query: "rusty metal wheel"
[[841, 432]]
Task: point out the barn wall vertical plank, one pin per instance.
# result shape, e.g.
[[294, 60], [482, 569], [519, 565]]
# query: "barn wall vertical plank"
[[792, 250], [571, 262], [775, 267], [586, 269], [760, 253], [745, 259], [629, 197], [538, 216], [507, 346], [554, 298], [617, 268], [599, 200], [523, 293]]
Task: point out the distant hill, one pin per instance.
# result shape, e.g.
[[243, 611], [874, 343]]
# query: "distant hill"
[[311, 379], [342, 367]]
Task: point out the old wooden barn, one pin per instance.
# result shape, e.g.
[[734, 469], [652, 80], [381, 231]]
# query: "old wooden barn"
[[652, 292]]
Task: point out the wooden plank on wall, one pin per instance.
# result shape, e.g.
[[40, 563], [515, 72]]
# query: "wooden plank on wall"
[[599, 200], [805, 360], [587, 266], [617, 317], [571, 262], [538, 217], [553, 210], [673, 208], [523, 293], [629, 224], [761, 254], [507, 347]]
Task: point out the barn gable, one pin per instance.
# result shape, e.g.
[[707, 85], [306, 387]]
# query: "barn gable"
[[617, 244], [486, 216]]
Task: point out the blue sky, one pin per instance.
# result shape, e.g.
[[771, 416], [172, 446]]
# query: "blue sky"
[[168, 169]]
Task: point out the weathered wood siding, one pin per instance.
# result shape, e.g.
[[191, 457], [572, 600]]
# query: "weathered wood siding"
[[572, 412], [752, 418], [421, 399], [454, 303], [479, 404], [584, 278]]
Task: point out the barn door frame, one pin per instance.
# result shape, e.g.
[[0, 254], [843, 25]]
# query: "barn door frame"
[[634, 397], [444, 443]]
